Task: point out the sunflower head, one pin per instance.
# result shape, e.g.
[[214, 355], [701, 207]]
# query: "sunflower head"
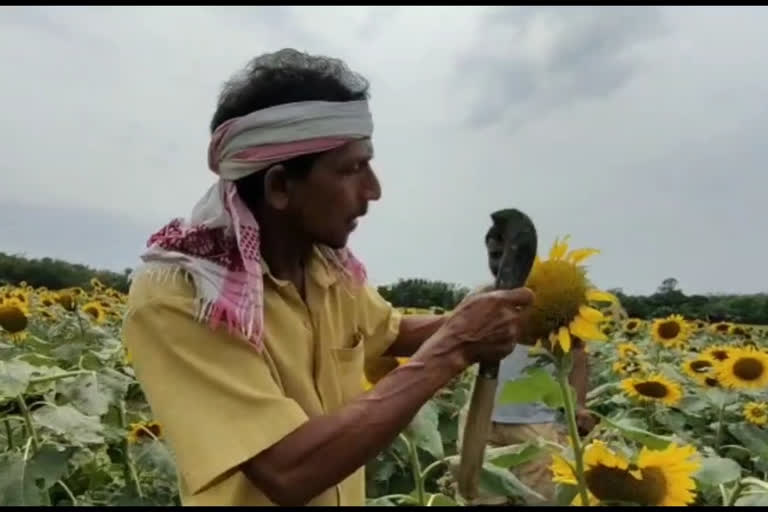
[[738, 331], [720, 328], [718, 352], [145, 430], [627, 350], [629, 367], [672, 331], [756, 413], [699, 367], [655, 388], [563, 292], [633, 326], [745, 368], [656, 478], [95, 311], [14, 316], [67, 300]]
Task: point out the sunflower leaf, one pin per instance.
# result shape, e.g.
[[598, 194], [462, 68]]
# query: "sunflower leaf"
[[14, 377], [717, 470], [753, 438], [653, 441], [65, 420], [499, 481], [538, 386], [753, 500], [514, 455], [424, 430]]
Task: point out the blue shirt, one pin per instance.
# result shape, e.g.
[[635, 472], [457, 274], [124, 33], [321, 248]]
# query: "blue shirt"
[[513, 367]]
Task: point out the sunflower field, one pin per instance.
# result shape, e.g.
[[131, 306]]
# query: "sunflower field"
[[681, 407]]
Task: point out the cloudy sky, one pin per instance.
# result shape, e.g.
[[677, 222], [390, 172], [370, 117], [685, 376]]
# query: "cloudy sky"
[[640, 131]]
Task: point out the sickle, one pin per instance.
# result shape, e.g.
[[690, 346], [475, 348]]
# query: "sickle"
[[520, 243]]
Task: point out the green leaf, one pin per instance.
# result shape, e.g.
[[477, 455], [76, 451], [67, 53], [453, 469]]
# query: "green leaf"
[[14, 377], [693, 404], [717, 470], [753, 438], [514, 455], [565, 494], [15, 487], [84, 393], [154, 456], [440, 500], [65, 420], [424, 430], [538, 386], [49, 465], [753, 500], [380, 502], [653, 441], [499, 481]]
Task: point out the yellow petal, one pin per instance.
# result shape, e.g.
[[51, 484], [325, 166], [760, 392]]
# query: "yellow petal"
[[564, 337], [576, 256], [586, 331], [598, 296], [591, 315], [636, 473], [559, 248]]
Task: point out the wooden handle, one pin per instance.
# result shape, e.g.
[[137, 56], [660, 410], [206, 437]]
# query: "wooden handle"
[[476, 430]]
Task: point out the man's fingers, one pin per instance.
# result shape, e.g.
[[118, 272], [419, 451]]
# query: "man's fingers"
[[519, 297]]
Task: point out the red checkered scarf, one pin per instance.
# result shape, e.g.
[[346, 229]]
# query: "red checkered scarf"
[[219, 244]]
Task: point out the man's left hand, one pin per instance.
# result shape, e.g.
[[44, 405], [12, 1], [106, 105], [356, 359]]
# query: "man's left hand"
[[585, 420]]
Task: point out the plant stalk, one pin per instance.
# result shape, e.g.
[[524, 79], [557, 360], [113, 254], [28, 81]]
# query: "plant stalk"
[[417, 475], [573, 432], [720, 427], [130, 468], [28, 422]]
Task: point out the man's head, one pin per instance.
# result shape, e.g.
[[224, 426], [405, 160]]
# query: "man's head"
[[321, 195]]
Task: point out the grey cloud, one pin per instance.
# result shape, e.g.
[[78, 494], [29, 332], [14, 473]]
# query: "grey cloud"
[[528, 60]]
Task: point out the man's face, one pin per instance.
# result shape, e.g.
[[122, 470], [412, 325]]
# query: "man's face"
[[495, 247], [335, 193]]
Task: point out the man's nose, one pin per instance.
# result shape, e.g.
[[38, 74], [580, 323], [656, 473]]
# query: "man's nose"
[[372, 191]]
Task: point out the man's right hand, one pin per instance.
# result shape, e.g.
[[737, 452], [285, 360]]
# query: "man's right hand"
[[484, 327]]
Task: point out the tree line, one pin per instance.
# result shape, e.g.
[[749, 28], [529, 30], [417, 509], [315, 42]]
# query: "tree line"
[[420, 293]]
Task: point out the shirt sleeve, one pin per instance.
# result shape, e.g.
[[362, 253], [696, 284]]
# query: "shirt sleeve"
[[378, 321], [216, 397]]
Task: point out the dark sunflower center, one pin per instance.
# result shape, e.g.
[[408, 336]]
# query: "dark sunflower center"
[[631, 325], [669, 330], [612, 484], [12, 319], [94, 312], [701, 366], [712, 383], [720, 355], [652, 389], [721, 327], [758, 412], [738, 331], [748, 368], [155, 429]]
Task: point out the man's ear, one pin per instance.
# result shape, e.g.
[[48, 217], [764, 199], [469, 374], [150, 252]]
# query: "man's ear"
[[276, 187]]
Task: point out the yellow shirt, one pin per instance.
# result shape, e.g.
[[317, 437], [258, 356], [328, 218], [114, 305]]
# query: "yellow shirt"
[[220, 402]]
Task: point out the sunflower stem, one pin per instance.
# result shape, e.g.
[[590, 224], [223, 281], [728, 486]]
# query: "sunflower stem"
[[9, 434], [418, 481], [130, 468], [735, 493], [573, 432], [720, 428], [65, 375], [28, 422]]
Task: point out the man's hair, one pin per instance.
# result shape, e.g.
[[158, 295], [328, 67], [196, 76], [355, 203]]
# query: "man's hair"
[[285, 76]]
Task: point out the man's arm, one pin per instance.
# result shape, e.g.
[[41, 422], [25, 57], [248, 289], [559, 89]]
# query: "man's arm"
[[287, 472], [414, 330]]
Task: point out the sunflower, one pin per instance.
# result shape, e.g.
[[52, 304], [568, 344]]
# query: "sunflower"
[[629, 367], [145, 430], [718, 352], [67, 300], [756, 413], [739, 331], [633, 326], [14, 318], [672, 331], [628, 350], [655, 388], [699, 367], [656, 478], [563, 293], [745, 368], [47, 299], [720, 328], [95, 311], [697, 325]]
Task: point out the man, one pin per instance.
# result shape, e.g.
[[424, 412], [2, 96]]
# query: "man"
[[518, 423], [250, 324]]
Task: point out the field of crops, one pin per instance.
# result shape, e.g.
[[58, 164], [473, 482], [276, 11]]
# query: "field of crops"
[[682, 410]]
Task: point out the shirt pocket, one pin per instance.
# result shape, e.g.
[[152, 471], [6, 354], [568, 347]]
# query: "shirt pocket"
[[349, 362]]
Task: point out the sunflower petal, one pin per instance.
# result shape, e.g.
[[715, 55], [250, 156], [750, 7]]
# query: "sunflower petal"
[[559, 248], [576, 256], [600, 296], [591, 314], [585, 330], [564, 337]]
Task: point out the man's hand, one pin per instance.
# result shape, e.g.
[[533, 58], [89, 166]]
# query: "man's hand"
[[585, 420]]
